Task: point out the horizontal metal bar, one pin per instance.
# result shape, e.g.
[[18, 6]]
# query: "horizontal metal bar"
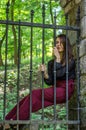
[[75, 122], [51, 26], [80, 108]]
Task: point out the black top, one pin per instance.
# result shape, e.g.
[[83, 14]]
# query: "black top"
[[60, 71]]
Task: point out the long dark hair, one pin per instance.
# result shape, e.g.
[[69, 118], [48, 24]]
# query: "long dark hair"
[[65, 39]]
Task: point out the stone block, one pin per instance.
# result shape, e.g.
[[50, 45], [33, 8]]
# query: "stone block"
[[83, 65], [83, 27], [83, 8], [63, 3], [83, 48], [69, 6], [77, 1], [83, 101]]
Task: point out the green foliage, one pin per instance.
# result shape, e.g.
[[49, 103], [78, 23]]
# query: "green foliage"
[[11, 92], [11, 96], [20, 10], [48, 116]]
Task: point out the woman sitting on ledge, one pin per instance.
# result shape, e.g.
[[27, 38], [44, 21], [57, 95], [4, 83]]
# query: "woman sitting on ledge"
[[60, 60]]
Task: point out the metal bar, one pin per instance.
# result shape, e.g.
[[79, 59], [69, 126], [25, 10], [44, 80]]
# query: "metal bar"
[[32, 13], [75, 122], [18, 72], [55, 71], [43, 26], [51, 26], [43, 15], [5, 75], [43, 32], [78, 67], [67, 71]]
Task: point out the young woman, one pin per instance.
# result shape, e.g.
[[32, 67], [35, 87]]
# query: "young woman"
[[60, 61]]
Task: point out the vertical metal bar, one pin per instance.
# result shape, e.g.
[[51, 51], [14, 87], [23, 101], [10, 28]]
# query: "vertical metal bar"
[[67, 70], [6, 51], [43, 32], [43, 16], [54, 70], [32, 13], [78, 67], [18, 71]]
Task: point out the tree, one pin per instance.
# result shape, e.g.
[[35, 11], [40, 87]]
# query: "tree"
[[20, 10], [1, 42]]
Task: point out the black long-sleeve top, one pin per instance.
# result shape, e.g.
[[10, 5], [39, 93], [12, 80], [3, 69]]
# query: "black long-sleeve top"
[[60, 71]]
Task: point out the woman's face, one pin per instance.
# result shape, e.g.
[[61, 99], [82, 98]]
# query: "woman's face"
[[59, 45]]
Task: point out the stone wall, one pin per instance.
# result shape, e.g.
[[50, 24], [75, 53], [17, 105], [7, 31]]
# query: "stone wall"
[[70, 7]]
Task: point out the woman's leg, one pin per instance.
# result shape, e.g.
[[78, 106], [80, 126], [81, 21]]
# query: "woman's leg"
[[24, 108], [48, 100]]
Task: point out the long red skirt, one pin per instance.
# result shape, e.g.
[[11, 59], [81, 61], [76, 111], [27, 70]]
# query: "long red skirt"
[[24, 104]]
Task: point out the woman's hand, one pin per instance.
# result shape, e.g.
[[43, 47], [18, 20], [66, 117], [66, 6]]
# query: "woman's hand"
[[43, 68], [57, 54]]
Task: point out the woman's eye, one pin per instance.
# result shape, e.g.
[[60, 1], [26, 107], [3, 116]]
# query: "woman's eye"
[[57, 42]]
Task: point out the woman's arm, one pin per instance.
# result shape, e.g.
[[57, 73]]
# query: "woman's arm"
[[48, 73]]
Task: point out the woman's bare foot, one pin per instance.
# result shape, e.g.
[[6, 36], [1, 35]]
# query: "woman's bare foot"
[[7, 126]]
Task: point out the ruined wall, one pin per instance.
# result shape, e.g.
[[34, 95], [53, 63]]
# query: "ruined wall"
[[70, 7]]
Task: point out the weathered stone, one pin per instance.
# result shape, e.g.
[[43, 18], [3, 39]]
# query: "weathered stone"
[[83, 8], [69, 6], [83, 65], [63, 2], [83, 84], [83, 48], [77, 1], [83, 27], [83, 101]]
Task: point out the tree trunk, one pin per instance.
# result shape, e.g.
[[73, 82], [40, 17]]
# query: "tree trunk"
[[1, 42], [14, 34], [1, 61]]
